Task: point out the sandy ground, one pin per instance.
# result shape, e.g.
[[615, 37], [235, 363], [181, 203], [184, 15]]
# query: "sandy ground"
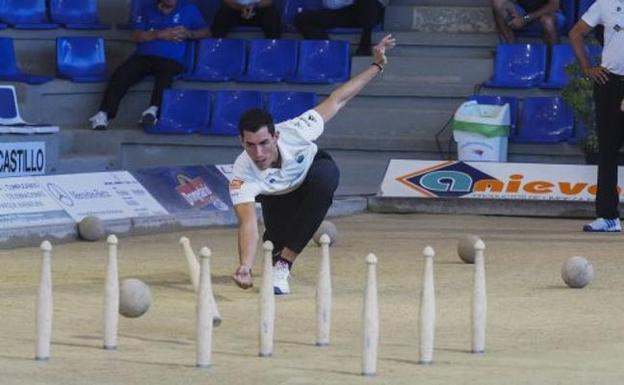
[[539, 331]]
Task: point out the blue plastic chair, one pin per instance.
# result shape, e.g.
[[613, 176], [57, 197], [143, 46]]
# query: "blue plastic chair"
[[287, 105], [9, 71], [545, 120], [323, 61], [25, 14], [81, 59], [499, 101], [583, 6], [76, 14], [219, 60], [518, 66], [8, 107], [228, 108], [562, 56], [183, 112], [270, 61]]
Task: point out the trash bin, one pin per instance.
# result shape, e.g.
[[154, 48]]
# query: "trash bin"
[[481, 132]]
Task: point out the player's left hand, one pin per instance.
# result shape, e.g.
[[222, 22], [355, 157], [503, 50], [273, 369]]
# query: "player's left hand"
[[379, 50], [242, 277]]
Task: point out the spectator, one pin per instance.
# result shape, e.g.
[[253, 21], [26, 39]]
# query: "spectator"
[[365, 14], [511, 16], [260, 13], [161, 32]]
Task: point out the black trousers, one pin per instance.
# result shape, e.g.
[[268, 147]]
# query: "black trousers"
[[610, 130], [362, 13], [291, 219], [266, 18], [133, 71]]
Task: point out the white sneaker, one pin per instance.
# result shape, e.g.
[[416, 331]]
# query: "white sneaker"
[[149, 117], [603, 225], [280, 278], [99, 121]]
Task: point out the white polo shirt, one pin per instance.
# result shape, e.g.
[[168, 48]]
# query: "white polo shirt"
[[297, 150], [609, 13]]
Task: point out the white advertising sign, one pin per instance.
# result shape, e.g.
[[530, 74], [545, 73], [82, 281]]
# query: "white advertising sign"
[[107, 195], [24, 203], [22, 158], [489, 180]]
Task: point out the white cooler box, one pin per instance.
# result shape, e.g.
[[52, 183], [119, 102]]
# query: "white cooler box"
[[481, 132]]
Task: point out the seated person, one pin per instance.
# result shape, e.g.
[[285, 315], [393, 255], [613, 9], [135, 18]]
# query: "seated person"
[[161, 32], [259, 13], [510, 16], [365, 14]]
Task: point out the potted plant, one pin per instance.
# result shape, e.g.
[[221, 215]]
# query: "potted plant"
[[578, 93]]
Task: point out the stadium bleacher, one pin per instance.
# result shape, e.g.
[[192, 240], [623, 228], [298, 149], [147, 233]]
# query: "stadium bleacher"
[[431, 72]]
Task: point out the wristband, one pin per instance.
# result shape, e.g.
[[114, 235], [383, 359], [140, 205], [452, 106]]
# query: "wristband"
[[378, 66]]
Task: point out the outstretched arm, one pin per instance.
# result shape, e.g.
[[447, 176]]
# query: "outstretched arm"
[[247, 242], [340, 96]]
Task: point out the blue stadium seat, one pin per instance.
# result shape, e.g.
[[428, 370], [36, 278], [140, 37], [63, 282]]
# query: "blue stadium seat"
[[25, 14], [270, 60], [545, 120], [76, 14], [11, 121], [518, 66], [288, 105], [228, 107], [562, 56], [219, 60], [499, 101], [9, 71], [183, 112], [323, 61], [583, 6], [81, 59]]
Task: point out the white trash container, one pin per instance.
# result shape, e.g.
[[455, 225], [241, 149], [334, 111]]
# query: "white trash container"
[[481, 132]]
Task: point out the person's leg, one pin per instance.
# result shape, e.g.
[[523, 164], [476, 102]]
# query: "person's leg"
[[164, 71], [316, 196], [503, 11], [609, 142], [551, 37], [314, 24], [268, 19], [126, 75], [225, 19], [368, 14]]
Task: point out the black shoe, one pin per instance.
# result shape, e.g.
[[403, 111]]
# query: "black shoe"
[[148, 121]]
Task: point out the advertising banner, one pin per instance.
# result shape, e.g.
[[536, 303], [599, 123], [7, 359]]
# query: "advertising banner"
[[489, 180], [24, 203], [107, 195], [22, 158], [190, 188]]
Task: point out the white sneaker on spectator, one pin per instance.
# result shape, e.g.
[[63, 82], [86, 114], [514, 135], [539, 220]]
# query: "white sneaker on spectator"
[[99, 121], [149, 117], [280, 278], [603, 225]]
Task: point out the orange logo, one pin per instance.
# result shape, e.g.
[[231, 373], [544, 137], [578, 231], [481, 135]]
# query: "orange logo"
[[236, 184]]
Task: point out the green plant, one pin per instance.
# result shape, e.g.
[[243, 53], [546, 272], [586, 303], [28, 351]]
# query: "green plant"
[[578, 93]]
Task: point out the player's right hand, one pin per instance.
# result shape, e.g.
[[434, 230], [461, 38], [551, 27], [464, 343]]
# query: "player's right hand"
[[242, 277], [598, 75]]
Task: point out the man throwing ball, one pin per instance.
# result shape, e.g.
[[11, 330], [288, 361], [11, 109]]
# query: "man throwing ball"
[[292, 179]]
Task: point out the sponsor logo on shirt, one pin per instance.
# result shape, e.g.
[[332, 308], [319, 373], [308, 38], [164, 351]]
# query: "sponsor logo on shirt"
[[236, 184]]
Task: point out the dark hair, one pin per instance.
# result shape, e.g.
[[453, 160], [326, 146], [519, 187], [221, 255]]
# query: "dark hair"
[[254, 119]]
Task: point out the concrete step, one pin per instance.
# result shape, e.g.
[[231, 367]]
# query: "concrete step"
[[439, 19]]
